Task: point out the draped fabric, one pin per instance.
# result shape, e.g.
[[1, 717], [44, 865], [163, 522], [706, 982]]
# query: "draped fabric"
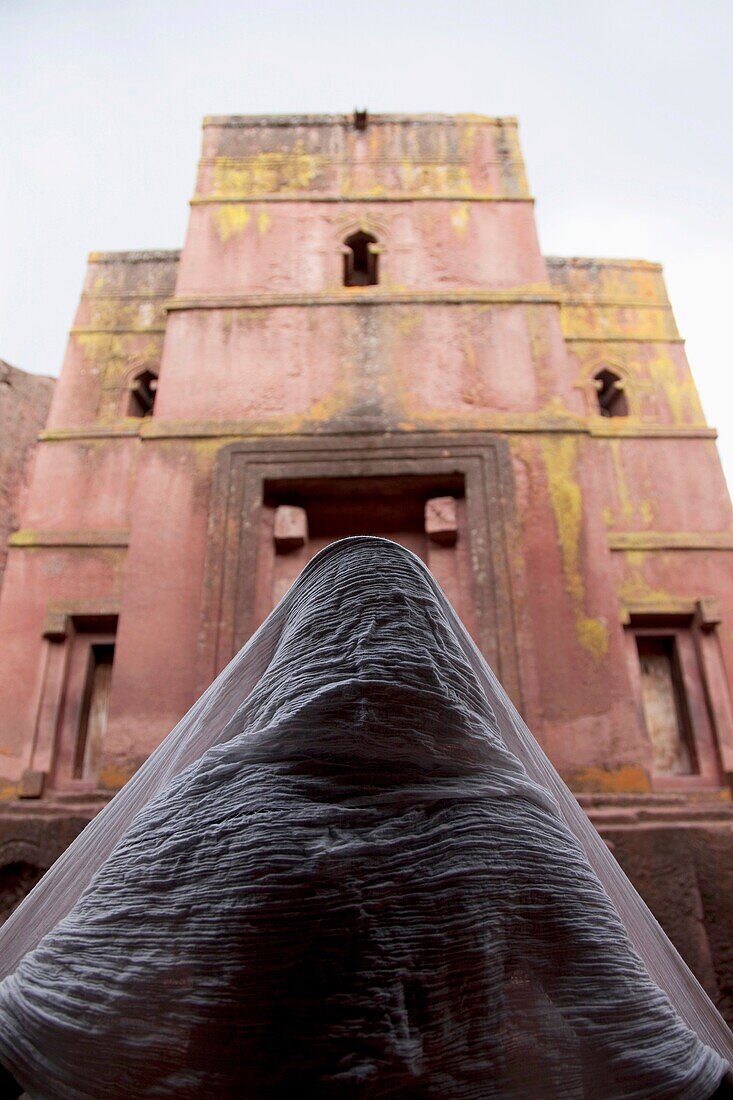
[[350, 871]]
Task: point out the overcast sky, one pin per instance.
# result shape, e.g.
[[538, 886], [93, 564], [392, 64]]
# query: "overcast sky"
[[625, 111]]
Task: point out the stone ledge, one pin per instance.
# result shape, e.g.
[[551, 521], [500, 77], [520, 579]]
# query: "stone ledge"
[[312, 196], [272, 121], [154, 428], [127, 330], [27, 539], [670, 540], [623, 339], [354, 296], [140, 257], [112, 431], [600, 261]]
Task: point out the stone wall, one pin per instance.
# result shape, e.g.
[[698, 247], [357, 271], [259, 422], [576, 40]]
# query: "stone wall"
[[24, 404]]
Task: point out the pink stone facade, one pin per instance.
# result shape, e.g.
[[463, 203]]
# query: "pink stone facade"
[[529, 426], [24, 402]]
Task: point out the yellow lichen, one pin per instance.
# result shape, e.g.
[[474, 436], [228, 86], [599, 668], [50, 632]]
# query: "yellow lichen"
[[9, 791], [431, 178], [114, 778], [680, 392], [266, 173], [100, 346], [471, 380], [606, 321], [263, 222], [459, 217], [629, 779], [624, 497], [231, 218], [408, 319], [560, 456], [467, 138], [593, 635], [635, 589], [541, 359]]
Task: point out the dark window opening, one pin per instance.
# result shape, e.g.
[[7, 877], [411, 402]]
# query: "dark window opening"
[[95, 706], [360, 260], [16, 880], [142, 394], [611, 397], [664, 704], [386, 506]]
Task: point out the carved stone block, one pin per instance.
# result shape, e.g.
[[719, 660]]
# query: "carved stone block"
[[31, 784], [291, 528], [441, 520]]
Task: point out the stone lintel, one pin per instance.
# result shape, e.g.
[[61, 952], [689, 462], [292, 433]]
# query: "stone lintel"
[[59, 620]]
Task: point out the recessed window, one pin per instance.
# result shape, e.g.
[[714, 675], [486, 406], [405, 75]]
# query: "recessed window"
[[664, 703], [142, 394], [95, 706], [611, 397], [84, 654], [361, 257]]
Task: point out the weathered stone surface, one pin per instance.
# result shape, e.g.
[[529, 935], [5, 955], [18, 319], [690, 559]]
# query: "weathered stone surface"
[[291, 528], [685, 874], [24, 403], [32, 784], [30, 841], [441, 520]]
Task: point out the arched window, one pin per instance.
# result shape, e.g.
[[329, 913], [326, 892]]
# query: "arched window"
[[361, 256], [611, 397], [142, 394]]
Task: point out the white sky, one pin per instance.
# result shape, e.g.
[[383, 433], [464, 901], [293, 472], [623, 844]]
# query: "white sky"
[[625, 110]]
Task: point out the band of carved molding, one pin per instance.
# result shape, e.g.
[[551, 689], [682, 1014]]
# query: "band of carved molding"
[[152, 428], [27, 539], [311, 197], [85, 330], [606, 339], [351, 296], [670, 540]]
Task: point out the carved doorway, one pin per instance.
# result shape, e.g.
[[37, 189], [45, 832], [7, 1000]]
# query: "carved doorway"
[[425, 514], [447, 498]]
